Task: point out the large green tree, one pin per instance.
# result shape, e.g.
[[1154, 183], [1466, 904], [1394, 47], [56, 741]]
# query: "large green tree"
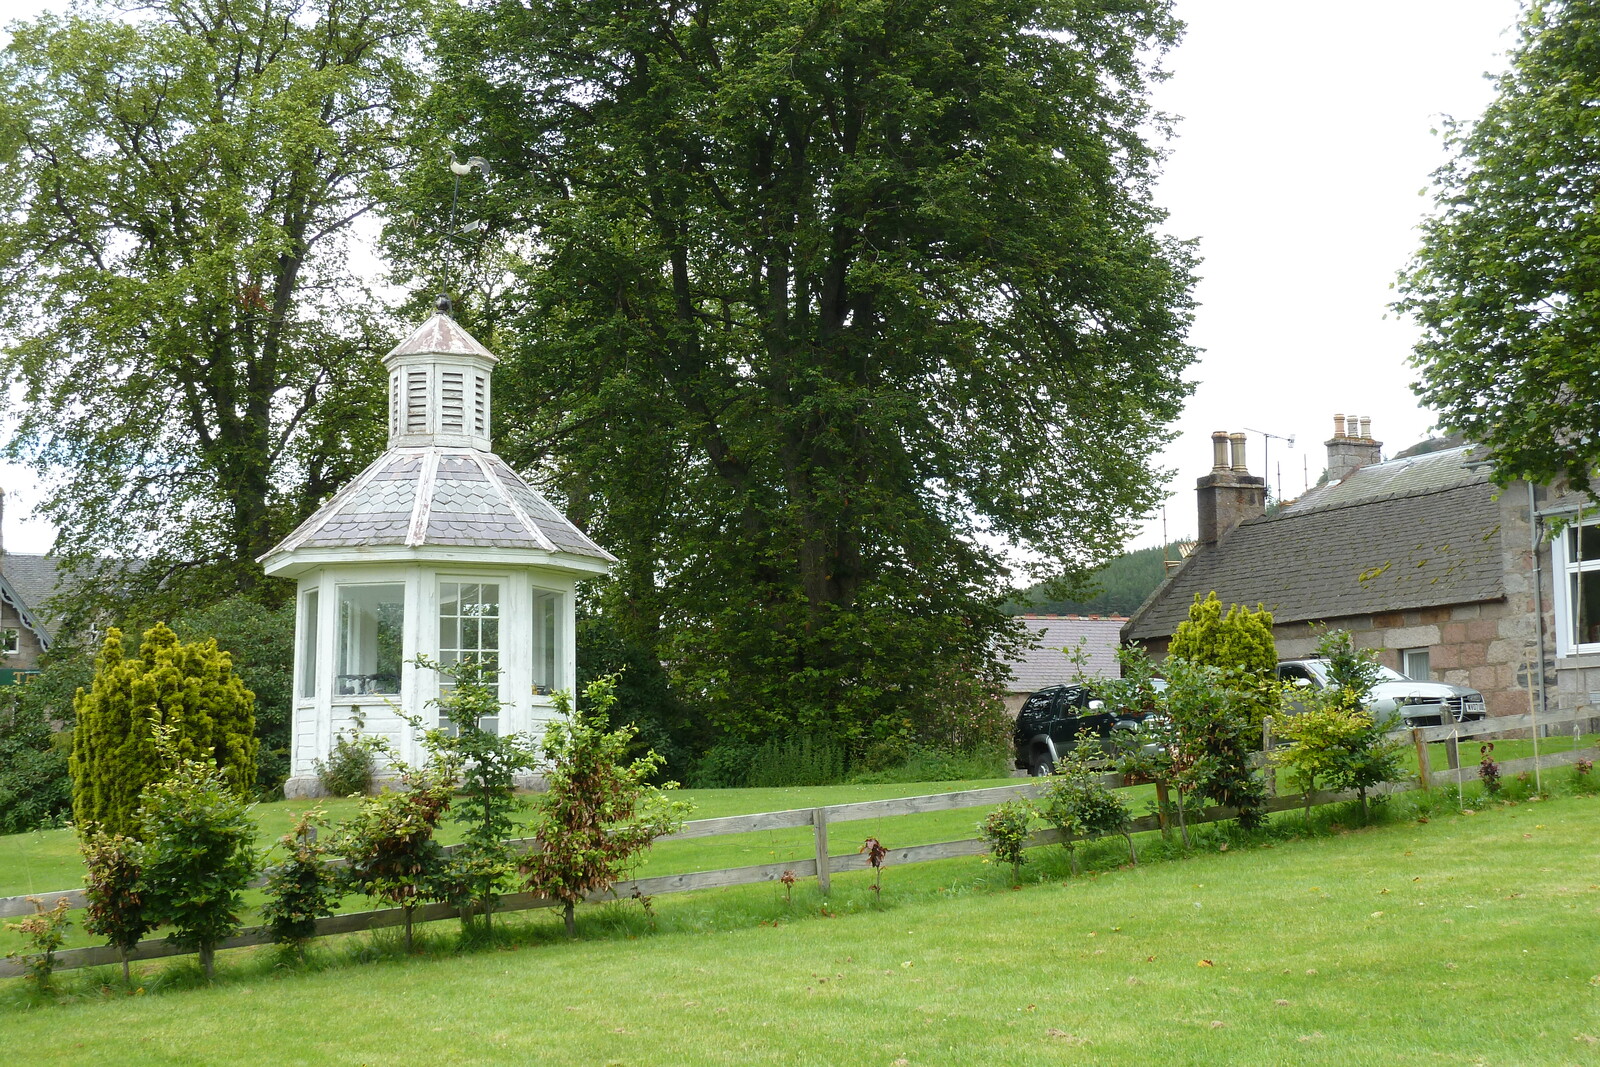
[[1506, 285], [177, 185], [819, 304]]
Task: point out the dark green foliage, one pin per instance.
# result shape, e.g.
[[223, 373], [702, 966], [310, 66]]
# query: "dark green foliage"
[[389, 845], [35, 788], [1122, 585], [816, 296], [180, 181], [599, 812], [485, 765], [803, 760], [1503, 284], [114, 907], [667, 725], [1240, 643], [198, 850], [260, 641], [303, 887], [190, 688]]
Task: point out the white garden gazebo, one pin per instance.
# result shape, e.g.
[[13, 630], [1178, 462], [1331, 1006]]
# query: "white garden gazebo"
[[438, 548]]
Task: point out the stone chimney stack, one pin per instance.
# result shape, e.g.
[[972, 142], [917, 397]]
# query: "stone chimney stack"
[[1351, 446], [1229, 494]]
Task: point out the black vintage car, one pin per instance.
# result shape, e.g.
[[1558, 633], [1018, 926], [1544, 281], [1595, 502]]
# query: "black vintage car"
[[1053, 720]]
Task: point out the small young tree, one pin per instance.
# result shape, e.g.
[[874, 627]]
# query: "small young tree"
[[1240, 643], [189, 688], [1006, 832], [1336, 741], [1215, 738], [115, 908], [487, 764], [198, 850], [389, 844], [600, 812], [304, 887], [45, 931], [1075, 802]]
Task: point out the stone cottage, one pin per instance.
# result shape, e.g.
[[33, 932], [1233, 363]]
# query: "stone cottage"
[[1421, 557]]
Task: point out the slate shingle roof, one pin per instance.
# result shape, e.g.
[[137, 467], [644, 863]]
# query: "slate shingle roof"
[[441, 496], [1412, 533], [1048, 664]]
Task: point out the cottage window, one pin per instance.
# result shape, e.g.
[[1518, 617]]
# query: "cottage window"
[[1414, 664], [9, 642], [1577, 550], [371, 628]]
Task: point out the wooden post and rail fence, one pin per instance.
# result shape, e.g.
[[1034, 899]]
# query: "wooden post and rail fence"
[[823, 865]]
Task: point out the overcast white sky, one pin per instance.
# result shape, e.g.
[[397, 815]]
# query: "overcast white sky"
[[1304, 142]]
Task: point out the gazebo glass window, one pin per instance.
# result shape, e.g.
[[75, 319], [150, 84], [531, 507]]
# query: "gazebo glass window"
[[308, 643], [546, 639], [371, 632], [469, 622]]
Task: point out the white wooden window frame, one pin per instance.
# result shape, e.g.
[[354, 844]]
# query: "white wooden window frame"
[[1566, 565]]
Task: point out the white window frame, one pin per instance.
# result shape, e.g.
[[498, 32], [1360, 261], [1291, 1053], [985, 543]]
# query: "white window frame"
[[1565, 565], [547, 646], [1406, 656], [343, 653]]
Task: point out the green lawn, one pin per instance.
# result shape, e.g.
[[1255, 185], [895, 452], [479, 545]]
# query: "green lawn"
[[1463, 939]]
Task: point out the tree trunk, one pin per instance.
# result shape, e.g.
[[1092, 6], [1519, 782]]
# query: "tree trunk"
[[127, 978], [1183, 822], [208, 955], [572, 927], [1133, 857]]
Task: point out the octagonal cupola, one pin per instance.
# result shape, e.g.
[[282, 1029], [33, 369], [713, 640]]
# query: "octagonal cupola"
[[439, 386]]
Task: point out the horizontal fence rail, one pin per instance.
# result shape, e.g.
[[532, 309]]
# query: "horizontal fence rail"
[[818, 819]]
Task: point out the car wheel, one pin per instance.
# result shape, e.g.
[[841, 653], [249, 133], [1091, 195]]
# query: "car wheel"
[[1041, 767]]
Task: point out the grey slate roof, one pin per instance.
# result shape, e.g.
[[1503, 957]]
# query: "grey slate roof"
[[34, 579], [457, 497], [1412, 533], [1048, 664]]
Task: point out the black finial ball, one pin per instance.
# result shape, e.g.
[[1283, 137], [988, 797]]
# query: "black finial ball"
[[442, 304]]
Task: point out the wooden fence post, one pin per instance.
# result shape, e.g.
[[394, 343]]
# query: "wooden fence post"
[[1422, 758], [1452, 752], [1267, 768], [819, 820]]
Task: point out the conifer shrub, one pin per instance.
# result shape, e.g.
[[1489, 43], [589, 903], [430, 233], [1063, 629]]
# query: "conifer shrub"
[[190, 689], [1239, 642]]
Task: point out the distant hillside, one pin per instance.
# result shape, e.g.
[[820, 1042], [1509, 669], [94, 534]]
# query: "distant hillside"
[[1123, 584]]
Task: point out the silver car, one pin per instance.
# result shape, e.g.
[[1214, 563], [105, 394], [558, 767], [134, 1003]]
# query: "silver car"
[[1416, 703]]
